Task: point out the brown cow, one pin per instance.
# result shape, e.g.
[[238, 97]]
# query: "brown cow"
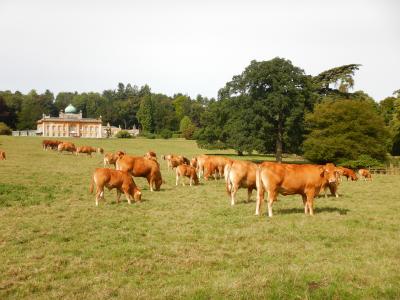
[[198, 163], [111, 158], [214, 166], [348, 173], [139, 166], [175, 160], [365, 173], [52, 144], [188, 171], [119, 180], [332, 185], [239, 174], [291, 179], [66, 146], [2, 155], [86, 149]]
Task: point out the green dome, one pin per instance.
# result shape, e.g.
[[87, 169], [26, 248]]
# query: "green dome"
[[70, 109]]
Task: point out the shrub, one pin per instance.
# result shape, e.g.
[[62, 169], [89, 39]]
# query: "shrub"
[[166, 134], [147, 135], [123, 134], [344, 130], [363, 161], [4, 129], [187, 128]]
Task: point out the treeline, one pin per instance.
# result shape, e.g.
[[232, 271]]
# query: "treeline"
[[125, 106], [271, 107], [274, 107]]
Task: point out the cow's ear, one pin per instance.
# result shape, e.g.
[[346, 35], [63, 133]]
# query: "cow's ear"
[[322, 170]]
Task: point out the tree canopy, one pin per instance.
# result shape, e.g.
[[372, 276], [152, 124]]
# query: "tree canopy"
[[342, 130]]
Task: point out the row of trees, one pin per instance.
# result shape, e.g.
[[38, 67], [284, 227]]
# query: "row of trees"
[[271, 107], [126, 106], [274, 107]]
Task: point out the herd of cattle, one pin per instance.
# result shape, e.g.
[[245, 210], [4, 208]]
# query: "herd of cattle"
[[307, 180]]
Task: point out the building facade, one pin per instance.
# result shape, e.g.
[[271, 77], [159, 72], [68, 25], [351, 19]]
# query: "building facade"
[[69, 124]]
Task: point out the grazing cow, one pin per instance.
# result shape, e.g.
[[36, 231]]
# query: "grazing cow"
[[291, 179], [198, 163], [188, 171], [175, 160], [239, 174], [348, 173], [113, 179], [139, 166], [86, 149], [2, 155], [214, 166], [66, 146], [365, 173], [50, 144]]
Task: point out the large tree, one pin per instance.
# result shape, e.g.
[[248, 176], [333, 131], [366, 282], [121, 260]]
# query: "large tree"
[[343, 130], [265, 106]]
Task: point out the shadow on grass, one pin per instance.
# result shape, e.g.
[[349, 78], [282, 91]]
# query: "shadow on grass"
[[286, 211]]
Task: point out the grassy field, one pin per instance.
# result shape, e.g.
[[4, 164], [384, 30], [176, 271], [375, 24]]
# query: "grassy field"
[[186, 242]]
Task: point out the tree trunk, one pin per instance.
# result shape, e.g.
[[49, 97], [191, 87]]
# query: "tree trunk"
[[279, 141]]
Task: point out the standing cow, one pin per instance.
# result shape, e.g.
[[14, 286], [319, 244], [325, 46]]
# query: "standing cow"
[[239, 174], [2, 155], [291, 179]]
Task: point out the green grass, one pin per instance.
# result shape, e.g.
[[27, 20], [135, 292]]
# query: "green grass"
[[186, 242]]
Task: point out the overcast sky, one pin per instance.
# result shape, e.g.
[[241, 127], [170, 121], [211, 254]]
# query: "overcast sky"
[[193, 47]]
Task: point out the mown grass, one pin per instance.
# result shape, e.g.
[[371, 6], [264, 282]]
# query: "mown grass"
[[186, 242]]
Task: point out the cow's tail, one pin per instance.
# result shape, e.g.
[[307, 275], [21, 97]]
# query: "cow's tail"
[[260, 189], [227, 171], [91, 185]]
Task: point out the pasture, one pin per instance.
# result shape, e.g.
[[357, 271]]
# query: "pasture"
[[186, 242]]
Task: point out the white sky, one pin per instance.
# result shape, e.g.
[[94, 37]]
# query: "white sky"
[[193, 47]]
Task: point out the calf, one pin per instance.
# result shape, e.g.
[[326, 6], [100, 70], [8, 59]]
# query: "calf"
[[175, 160], [239, 174], [50, 144], [2, 155], [188, 171], [291, 179], [365, 173], [113, 179]]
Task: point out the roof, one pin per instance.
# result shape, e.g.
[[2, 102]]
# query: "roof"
[[83, 120], [70, 109]]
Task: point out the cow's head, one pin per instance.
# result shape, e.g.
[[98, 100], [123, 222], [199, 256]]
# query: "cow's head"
[[137, 194], [120, 154], [158, 182], [330, 172], [193, 162]]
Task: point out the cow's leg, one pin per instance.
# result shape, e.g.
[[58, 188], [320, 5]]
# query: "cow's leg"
[[190, 180], [310, 202], [272, 195], [118, 195], [305, 204], [99, 195], [183, 180], [234, 190], [260, 199], [177, 179], [150, 181], [128, 197], [249, 191]]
